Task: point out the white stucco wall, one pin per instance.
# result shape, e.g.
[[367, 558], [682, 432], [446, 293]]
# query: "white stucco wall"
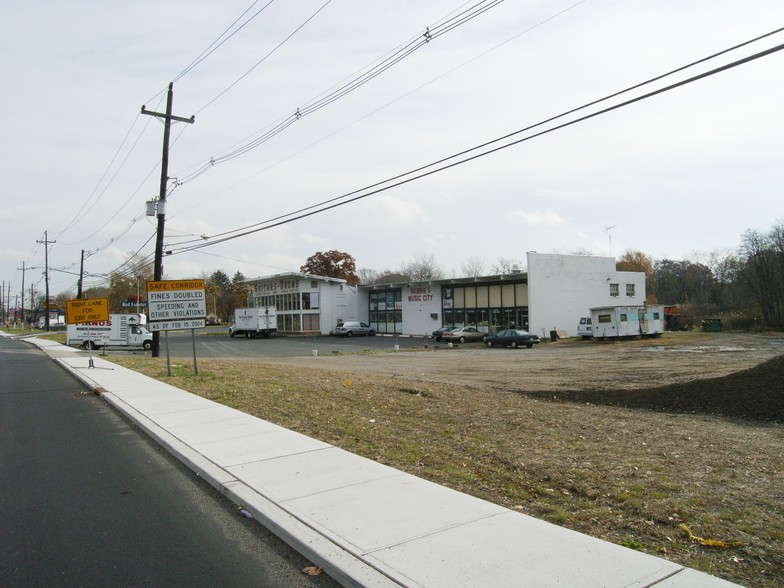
[[420, 301], [562, 288], [340, 305]]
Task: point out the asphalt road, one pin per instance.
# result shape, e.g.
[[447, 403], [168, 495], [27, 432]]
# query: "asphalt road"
[[86, 499], [215, 343]]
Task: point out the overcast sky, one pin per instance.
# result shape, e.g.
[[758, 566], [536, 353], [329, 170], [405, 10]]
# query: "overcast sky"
[[685, 171]]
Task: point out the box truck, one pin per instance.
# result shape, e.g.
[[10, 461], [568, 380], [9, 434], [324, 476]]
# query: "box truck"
[[121, 330], [254, 322]]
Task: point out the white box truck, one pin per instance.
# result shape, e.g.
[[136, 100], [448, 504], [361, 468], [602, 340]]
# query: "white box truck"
[[121, 330], [254, 322]]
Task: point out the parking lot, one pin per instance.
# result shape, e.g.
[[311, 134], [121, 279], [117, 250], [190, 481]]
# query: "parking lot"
[[215, 343], [567, 364]]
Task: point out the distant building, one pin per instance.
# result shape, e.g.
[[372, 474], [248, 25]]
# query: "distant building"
[[305, 304], [554, 292], [563, 288]]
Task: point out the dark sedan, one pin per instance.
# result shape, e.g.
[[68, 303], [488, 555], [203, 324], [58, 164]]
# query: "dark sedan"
[[438, 334], [513, 338]]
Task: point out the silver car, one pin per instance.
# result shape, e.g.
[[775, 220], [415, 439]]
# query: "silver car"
[[351, 328], [463, 334]]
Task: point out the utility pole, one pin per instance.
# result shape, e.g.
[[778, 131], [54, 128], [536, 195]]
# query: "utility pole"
[[158, 269], [23, 291], [32, 301], [46, 242], [81, 277], [2, 305]]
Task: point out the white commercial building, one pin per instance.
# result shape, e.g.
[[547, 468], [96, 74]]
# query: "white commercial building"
[[305, 304], [554, 292], [562, 288]]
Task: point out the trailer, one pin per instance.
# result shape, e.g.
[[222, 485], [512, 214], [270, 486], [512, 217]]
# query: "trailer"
[[261, 321], [627, 321], [121, 330]]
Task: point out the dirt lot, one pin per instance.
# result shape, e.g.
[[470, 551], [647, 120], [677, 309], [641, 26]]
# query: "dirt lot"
[[625, 441], [566, 365]]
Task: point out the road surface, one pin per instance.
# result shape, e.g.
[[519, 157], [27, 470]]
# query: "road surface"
[[86, 499]]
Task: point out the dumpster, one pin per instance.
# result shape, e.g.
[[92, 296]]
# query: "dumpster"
[[711, 325]]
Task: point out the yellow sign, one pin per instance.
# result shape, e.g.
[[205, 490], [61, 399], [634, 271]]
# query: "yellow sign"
[[86, 311], [170, 285]]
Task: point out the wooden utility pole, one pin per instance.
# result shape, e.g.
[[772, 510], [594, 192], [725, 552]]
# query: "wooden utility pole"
[[158, 269], [81, 277], [23, 292], [46, 242]]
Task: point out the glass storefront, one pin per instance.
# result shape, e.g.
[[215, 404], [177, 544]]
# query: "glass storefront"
[[298, 312], [488, 307], [386, 310]]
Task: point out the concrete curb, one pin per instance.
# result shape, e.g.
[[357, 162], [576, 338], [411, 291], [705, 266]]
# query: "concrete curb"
[[338, 563]]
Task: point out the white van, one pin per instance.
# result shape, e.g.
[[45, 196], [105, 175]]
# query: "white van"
[[585, 328]]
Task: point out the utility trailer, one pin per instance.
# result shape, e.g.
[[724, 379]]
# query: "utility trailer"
[[609, 322]]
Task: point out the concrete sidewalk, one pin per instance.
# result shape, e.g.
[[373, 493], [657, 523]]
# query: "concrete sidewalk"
[[365, 523]]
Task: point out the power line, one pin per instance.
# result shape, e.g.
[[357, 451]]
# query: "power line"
[[217, 43], [205, 167], [344, 88], [82, 212], [267, 56], [402, 179]]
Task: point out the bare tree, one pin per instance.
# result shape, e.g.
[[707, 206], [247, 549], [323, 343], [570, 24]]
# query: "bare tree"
[[764, 272], [422, 269], [506, 266], [474, 267], [367, 275]]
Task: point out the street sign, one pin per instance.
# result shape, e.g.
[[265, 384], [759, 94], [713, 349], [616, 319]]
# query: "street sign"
[[176, 304], [86, 311]]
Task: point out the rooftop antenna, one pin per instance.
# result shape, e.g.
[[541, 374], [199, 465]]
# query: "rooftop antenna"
[[608, 230]]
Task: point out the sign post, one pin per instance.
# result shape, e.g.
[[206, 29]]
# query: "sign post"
[[175, 305]]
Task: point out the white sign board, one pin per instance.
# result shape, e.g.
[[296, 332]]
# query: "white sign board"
[[175, 325], [176, 304]]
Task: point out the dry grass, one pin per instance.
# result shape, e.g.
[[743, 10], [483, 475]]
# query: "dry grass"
[[626, 476]]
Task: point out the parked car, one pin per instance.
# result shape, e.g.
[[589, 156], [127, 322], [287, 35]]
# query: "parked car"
[[513, 338], [463, 334], [438, 334], [351, 328]]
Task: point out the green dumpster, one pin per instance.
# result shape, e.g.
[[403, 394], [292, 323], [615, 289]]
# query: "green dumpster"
[[711, 325]]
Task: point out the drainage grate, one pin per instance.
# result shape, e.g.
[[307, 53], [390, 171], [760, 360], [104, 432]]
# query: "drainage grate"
[[83, 393]]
